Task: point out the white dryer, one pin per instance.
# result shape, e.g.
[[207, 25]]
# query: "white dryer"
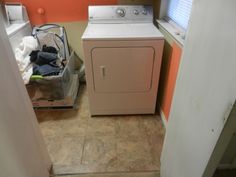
[[123, 53]]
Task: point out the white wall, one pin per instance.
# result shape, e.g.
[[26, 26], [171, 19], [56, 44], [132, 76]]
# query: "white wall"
[[22, 150], [205, 89]]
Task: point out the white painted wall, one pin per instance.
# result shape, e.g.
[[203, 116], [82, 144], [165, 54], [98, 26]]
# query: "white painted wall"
[[205, 89], [22, 150]]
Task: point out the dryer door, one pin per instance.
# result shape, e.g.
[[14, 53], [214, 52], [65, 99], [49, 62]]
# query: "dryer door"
[[122, 69]]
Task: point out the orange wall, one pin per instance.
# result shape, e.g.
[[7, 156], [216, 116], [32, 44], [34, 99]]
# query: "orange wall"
[[171, 76], [60, 10]]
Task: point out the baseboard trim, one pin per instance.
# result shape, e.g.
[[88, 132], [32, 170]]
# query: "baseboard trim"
[[163, 117]]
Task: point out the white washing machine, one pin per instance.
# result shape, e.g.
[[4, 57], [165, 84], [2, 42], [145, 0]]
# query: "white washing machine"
[[123, 53]]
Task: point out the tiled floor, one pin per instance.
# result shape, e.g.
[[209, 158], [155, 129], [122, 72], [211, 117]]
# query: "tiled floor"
[[79, 143]]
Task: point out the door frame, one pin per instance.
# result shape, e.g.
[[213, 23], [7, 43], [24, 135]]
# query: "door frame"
[[10, 68], [222, 144]]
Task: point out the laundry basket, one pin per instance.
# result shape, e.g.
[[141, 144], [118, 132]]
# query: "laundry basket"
[[53, 87], [56, 90], [53, 35]]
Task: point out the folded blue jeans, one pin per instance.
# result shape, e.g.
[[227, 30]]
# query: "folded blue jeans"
[[46, 70]]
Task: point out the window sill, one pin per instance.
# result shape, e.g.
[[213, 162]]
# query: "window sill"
[[173, 30]]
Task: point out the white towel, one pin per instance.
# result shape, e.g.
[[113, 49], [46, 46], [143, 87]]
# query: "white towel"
[[27, 45]]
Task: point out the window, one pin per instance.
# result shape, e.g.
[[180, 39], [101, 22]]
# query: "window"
[[179, 11]]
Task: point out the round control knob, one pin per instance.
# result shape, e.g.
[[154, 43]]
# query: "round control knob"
[[144, 12], [120, 12], [136, 12]]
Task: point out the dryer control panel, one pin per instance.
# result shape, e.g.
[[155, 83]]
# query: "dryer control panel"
[[120, 14]]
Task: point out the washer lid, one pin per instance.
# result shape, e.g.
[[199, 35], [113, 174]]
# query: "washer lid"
[[121, 31]]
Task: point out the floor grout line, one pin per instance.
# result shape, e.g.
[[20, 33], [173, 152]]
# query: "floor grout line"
[[82, 155], [85, 136]]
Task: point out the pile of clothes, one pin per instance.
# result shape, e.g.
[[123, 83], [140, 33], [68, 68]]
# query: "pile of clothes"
[[31, 61], [46, 62]]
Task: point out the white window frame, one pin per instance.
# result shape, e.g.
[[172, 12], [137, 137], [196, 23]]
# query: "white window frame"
[[169, 25]]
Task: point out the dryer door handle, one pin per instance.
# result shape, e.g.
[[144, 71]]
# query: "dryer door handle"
[[103, 71]]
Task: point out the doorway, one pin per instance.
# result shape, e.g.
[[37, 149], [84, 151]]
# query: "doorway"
[[81, 144]]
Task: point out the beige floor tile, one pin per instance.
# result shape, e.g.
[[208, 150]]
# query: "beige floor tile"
[[129, 127], [134, 155], [101, 126], [65, 151], [155, 136], [83, 103], [152, 125], [50, 129], [84, 113], [74, 127], [100, 154], [156, 144]]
